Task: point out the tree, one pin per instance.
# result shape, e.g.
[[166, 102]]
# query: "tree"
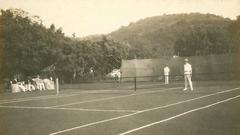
[[234, 30], [29, 47], [199, 40], [194, 34]]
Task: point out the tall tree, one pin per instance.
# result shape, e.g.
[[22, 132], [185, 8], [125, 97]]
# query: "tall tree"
[[234, 30]]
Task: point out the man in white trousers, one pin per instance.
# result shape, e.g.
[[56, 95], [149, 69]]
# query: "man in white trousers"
[[166, 74], [188, 75]]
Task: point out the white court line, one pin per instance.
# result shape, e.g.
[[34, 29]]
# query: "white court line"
[[115, 97], [179, 115], [92, 91], [157, 84], [37, 98], [145, 85], [48, 97], [53, 96], [13, 99], [115, 90], [96, 110], [70, 109], [146, 110]]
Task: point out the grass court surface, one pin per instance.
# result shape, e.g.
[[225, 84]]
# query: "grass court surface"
[[211, 109]]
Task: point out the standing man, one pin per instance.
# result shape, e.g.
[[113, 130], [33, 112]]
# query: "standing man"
[[188, 75], [166, 74]]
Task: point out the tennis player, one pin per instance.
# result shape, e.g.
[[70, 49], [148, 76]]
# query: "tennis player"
[[188, 75], [166, 74]]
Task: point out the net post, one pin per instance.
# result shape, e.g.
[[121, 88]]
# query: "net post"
[[57, 86], [135, 83]]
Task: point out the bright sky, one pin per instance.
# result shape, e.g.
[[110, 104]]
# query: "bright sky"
[[87, 17]]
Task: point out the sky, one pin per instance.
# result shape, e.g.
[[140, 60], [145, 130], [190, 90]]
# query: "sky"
[[89, 17]]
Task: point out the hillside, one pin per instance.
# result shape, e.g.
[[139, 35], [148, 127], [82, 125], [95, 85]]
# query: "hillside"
[[166, 35]]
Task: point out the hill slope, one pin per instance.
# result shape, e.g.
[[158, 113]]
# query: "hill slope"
[[166, 35]]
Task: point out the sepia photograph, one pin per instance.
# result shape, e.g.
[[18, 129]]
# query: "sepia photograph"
[[120, 67]]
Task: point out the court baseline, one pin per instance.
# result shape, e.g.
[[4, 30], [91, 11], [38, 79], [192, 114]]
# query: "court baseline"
[[36, 98], [50, 96], [70, 109]]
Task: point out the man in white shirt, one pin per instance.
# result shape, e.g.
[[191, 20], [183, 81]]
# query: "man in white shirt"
[[188, 75], [166, 74]]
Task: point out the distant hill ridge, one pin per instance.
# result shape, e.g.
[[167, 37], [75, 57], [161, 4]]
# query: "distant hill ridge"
[[157, 36]]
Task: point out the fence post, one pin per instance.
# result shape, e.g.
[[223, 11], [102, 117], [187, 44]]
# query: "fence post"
[[135, 83], [57, 85]]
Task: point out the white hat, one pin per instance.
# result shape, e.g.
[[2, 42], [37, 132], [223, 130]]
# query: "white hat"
[[186, 60]]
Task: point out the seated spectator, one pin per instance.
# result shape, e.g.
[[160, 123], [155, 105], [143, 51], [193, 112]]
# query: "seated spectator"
[[14, 81], [34, 83], [52, 87], [14, 86], [29, 86], [40, 84], [21, 86], [49, 83]]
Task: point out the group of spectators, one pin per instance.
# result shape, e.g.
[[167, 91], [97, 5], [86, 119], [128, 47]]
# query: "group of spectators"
[[32, 84]]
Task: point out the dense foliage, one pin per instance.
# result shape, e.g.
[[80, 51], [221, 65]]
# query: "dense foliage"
[[180, 34], [29, 48], [234, 30]]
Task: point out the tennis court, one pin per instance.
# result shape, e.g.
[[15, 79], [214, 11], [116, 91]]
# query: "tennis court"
[[211, 109]]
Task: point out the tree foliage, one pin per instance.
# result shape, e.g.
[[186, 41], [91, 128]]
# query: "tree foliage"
[[27, 47], [203, 39], [177, 34], [234, 30]]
